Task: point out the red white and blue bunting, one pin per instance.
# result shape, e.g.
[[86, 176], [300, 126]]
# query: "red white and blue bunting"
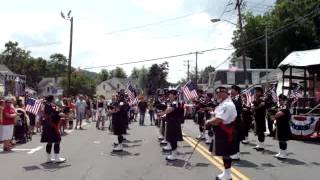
[[304, 126]]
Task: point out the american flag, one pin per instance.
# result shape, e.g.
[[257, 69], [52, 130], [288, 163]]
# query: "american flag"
[[189, 91], [33, 105], [249, 93], [296, 94], [132, 95], [273, 92]]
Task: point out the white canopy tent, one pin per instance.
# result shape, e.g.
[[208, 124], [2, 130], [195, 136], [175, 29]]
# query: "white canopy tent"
[[302, 58]]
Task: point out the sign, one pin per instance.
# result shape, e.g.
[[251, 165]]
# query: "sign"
[[304, 126]]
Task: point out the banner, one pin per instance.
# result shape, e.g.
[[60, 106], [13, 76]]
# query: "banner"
[[304, 125]]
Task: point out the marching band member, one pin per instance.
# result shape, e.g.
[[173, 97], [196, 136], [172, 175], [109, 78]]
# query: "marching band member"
[[246, 119], [235, 95], [173, 129], [161, 106], [282, 120], [259, 113], [223, 121], [50, 133]]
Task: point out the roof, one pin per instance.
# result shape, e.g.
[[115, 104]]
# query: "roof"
[[302, 58], [45, 81], [5, 70]]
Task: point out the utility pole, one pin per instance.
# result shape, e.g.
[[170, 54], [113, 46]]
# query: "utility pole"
[[267, 61], [70, 48], [242, 48], [196, 83], [188, 75]]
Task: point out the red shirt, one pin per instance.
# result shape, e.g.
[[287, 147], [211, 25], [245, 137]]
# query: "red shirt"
[[7, 120]]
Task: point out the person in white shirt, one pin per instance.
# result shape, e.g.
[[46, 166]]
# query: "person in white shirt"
[[81, 106], [223, 124]]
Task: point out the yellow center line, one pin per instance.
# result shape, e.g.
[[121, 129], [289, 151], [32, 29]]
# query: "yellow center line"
[[213, 158]]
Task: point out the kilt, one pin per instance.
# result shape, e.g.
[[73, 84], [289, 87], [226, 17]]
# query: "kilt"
[[119, 124], [50, 134], [260, 125], [173, 130], [225, 137]]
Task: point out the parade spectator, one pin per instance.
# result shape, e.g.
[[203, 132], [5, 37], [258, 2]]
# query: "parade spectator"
[[142, 106], [80, 106], [94, 110], [88, 109], [7, 123], [151, 111], [101, 113]]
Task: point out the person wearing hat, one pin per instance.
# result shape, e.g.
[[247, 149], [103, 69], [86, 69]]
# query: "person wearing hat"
[[259, 114], [223, 121], [235, 95], [161, 106], [50, 132], [7, 123], [173, 128], [282, 126]]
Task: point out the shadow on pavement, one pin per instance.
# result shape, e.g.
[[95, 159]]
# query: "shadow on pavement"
[[188, 165], [47, 166], [245, 153], [134, 141], [124, 153], [269, 152], [267, 165], [245, 163], [131, 146], [292, 161]]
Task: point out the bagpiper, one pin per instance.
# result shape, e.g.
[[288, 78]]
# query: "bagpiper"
[[223, 121], [174, 117], [50, 132], [259, 113], [235, 95], [282, 126]]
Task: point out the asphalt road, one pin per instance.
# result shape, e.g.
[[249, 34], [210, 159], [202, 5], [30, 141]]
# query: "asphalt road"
[[89, 156]]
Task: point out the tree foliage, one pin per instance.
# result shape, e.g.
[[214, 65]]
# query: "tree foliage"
[[21, 62], [80, 84], [296, 35], [118, 72]]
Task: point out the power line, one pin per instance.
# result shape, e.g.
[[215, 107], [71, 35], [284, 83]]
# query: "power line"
[[225, 9], [160, 58]]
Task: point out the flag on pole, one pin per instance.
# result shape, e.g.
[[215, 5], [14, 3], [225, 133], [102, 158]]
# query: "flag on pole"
[[131, 94], [249, 93], [272, 91], [189, 91], [296, 94], [33, 105]]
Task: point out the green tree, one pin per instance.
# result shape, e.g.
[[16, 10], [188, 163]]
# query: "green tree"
[[135, 73], [118, 72], [143, 79], [104, 75], [157, 77], [80, 84], [204, 74], [298, 35], [57, 65]]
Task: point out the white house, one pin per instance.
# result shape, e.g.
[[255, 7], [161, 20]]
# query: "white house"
[[50, 86]]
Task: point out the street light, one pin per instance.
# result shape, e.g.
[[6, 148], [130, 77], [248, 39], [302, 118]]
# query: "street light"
[[69, 18], [214, 20], [242, 51]]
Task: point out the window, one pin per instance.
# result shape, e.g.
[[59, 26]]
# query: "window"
[[104, 87]]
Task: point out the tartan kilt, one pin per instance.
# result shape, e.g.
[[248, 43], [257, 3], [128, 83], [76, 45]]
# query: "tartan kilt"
[[225, 144]]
